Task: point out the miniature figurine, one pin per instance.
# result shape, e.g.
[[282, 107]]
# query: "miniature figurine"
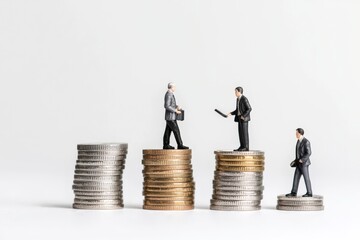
[[171, 112], [242, 116], [302, 162]]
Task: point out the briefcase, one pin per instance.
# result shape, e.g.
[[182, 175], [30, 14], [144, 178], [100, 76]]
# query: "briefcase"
[[181, 116], [294, 163]]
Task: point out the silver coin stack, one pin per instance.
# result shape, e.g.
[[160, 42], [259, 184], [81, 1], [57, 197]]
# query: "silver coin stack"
[[98, 176], [298, 203], [238, 181]]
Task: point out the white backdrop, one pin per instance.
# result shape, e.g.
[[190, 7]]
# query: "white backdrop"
[[96, 71]]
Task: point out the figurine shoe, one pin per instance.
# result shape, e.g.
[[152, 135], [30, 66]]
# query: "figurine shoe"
[[182, 147], [168, 147], [307, 195], [290, 195], [243, 149]]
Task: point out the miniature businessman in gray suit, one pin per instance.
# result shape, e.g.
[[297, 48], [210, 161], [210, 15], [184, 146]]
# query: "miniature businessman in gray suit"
[[302, 162], [242, 117], [171, 109]]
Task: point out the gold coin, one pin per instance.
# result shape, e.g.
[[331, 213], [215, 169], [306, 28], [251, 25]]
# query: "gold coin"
[[238, 158], [167, 157], [168, 194], [240, 169], [241, 164], [167, 172], [167, 151], [168, 208], [167, 180], [165, 162], [166, 203], [168, 167], [169, 185], [180, 175], [147, 198], [166, 189]]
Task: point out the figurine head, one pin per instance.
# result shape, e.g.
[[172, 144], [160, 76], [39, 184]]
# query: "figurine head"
[[238, 91], [299, 133], [171, 86]]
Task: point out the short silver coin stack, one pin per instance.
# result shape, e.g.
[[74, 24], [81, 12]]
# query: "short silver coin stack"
[[98, 176], [298, 203]]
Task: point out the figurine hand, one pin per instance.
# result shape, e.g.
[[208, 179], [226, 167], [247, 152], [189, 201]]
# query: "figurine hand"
[[228, 114], [178, 108], [242, 118], [178, 112], [300, 161]]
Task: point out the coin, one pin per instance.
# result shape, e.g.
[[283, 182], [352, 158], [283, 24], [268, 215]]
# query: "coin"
[[234, 203], [98, 193], [98, 172], [179, 175], [99, 197], [169, 185], [163, 189], [167, 167], [300, 203], [167, 180], [103, 146], [240, 164], [235, 208], [167, 152], [171, 208], [168, 172], [245, 153], [97, 178], [121, 153], [103, 188], [238, 198], [168, 194], [238, 158], [237, 179], [237, 184], [165, 162], [167, 157], [105, 158], [299, 198], [238, 192], [98, 201], [238, 174], [99, 167], [167, 203], [240, 169], [300, 208], [96, 183], [97, 206], [191, 198]]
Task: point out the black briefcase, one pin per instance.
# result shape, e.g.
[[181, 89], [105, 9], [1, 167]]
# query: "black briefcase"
[[181, 116], [294, 163]]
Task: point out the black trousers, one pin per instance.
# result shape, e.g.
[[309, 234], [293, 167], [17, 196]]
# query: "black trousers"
[[243, 134], [172, 126], [301, 169]]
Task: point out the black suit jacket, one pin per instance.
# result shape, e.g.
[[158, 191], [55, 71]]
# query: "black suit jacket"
[[303, 152], [245, 109]]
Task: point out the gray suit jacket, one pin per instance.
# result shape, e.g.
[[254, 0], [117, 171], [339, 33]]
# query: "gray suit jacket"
[[170, 106], [303, 151]]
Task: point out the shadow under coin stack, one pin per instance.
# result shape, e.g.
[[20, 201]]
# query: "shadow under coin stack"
[[314, 203], [238, 181], [168, 180], [98, 176]]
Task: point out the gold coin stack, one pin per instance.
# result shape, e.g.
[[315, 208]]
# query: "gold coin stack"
[[168, 180], [238, 181]]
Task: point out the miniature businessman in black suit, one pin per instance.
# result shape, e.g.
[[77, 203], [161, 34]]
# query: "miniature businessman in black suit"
[[171, 109], [242, 116], [302, 162]]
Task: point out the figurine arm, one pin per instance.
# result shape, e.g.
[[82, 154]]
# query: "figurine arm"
[[307, 154], [248, 108], [168, 104]]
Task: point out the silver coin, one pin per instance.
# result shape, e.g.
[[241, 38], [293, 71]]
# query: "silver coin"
[[97, 206], [97, 178], [238, 192], [235, 208], [120, 153], [99, 197], [98, 201], [238, 198], [98, 193], [245, 153], [103, 146], [100, 168], [238, 174], [239, 188], [300, 208], [100, 163], [96, 183], [237, 179], [101, 158], [98, 173], [234, 203], [300, 198], [237, 184], [97, 188], [300, 203]]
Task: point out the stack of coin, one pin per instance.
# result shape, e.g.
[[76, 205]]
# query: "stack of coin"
[[238, 181], [98, 176], [168, 180], [314, 203]]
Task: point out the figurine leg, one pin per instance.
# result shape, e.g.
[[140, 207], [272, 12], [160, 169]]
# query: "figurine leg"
[[305, 172], [240, 135], [296, 180], [244, 135], [166, 139], [175, 128]]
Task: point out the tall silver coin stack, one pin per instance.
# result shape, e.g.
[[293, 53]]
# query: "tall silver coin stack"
[[98, 176], [298, 203], [238, 181]]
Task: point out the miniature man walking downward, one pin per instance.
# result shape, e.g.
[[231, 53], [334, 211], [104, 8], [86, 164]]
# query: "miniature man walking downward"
[[242, 116], [171, 109], [302, 162]]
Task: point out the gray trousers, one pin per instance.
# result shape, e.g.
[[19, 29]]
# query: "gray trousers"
[[301, 169]]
